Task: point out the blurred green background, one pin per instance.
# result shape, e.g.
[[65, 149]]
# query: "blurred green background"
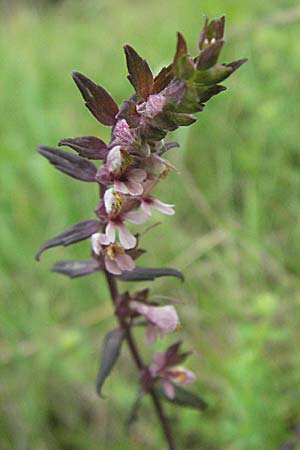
[[236, 233]]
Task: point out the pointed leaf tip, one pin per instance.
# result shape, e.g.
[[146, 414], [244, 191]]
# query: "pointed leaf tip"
[[73, 165], [140, 75], [141, 273], [109, 354], [97, 99], [75, 233]]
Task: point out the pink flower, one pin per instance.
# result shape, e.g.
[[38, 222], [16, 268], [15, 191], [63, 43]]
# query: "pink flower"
[[169, 375], [115, 258], [154, 105], [122, 134], [164, 208], [127, 180], [117, 161], [113, 202], [160, 319]]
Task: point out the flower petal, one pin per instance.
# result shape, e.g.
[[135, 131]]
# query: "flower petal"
[[137, 175], [180, 375], [111, 266], [96, 245], [108, 200], [150, 334], [120, 186], [169, 389], [114, 159], [124, 262], [164, 208], [134, 188], [145, 207], [165, 317], [110, 231], [126, 237], [137, 216]]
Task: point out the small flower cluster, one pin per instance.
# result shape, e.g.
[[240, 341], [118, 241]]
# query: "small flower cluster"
[[133, 164]]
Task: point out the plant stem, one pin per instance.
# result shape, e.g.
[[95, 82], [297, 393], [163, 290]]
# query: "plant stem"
[[112, 284]]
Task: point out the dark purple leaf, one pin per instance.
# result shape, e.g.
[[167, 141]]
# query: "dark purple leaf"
[[110, 351], [135, 253], [89, 147], [129, 113], [66, 162], [97, 99], [171, 144], [140, 75], [152, 133], [175, 91], [212, 30], [213, 90], [181, 47], [75, 233], [185, 398], [236, 64], [76, 268], [141, 273], [162, 80], [168, 146], [209, 55]]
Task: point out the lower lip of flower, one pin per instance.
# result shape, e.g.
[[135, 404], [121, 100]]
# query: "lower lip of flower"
[[112, 250]]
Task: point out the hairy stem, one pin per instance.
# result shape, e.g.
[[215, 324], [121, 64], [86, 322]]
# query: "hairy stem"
[[139, 363]]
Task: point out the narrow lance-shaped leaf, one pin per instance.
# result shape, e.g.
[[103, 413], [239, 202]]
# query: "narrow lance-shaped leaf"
[[89, 147], [163, 78], [110, 351], [75, 233], [76, 268], [185, 398], [97, 99], [133, 412], [183, 66], [66, 162], [140, 75], [141, 273]]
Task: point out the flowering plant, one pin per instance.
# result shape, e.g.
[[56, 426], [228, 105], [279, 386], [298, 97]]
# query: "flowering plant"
[[133, 163]]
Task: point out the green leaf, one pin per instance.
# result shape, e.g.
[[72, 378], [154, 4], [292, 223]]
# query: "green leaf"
[[183, 65]]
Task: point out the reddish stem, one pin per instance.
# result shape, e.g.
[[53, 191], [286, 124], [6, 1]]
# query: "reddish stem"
[[139, 363]]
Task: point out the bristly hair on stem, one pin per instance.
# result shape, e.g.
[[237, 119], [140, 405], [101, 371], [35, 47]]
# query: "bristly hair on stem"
[[132, 163]]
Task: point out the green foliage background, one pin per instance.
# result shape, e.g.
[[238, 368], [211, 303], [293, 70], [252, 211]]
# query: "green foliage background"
[[235, 235]]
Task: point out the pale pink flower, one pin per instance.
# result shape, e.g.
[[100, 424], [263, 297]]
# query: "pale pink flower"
[[160, 319], [131, 182], [154, 105], [127, 180], [122, 134], [113, 202], [115, 258], [117, 160], [164, 208], [169, 375]]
